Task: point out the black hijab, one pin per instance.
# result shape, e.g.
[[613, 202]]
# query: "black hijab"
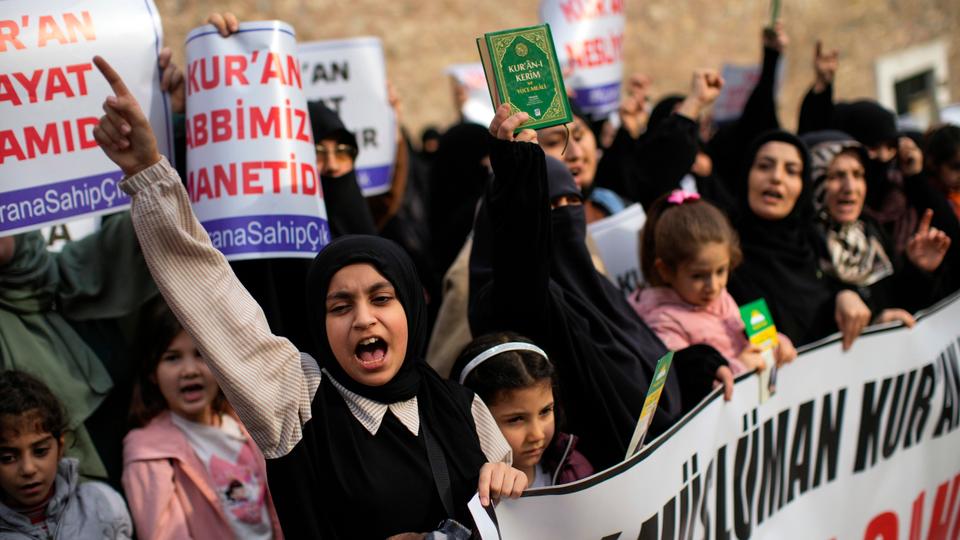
[[347, 210], [779, 257], [394, 264], [374, 486]]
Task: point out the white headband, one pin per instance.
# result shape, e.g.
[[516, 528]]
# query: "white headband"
[[493, 351]]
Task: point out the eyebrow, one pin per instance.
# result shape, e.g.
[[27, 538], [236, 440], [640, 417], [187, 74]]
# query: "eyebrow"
[[346, 295], [46, 439]]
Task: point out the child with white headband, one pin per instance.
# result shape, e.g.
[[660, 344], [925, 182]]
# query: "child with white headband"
[[516, 380]]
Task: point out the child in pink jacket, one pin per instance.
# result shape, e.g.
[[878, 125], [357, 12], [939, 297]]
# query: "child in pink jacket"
[[687, 250], [191, 470]]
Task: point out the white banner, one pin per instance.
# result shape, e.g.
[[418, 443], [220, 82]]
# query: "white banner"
[[51, 169], [738, 84], [617, 238], [588, 35], [350, 76], [477, 107], [251, 163], [862, 444]]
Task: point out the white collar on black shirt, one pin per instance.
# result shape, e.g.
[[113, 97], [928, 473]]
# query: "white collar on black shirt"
[[370, 413]]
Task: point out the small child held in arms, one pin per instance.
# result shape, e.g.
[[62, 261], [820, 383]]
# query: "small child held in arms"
[[190, 470], [40, 492], [516, 381], [687, 250]]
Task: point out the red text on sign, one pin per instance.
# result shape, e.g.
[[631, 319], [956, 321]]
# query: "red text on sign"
[[600, 51], [212, 72], [51, 139], [44, 84]]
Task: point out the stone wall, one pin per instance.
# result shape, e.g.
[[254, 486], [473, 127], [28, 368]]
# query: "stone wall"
[[666, 39]]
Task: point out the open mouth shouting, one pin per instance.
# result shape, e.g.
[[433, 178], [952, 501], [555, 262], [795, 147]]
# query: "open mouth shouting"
[[193, 391], [371, 353], [772, 196]]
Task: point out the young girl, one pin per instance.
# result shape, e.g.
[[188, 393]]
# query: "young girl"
[[516, 380], [363, 440], [190, 469], [40, 496], [687, 249]]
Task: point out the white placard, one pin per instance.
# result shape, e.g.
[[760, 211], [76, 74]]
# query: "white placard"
[[251, 162], [350, 76], [857, 444], [738, 84], [51, 94], [477, 108], [588, 35], [617, 238]]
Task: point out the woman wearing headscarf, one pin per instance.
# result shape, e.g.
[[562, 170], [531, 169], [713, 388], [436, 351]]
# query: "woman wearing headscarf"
[[854, 249], [775, 221], [531, 273], [339, 464], [59, 320]]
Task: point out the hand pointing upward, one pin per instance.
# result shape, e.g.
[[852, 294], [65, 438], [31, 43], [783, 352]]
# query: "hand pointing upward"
[[124, 132]]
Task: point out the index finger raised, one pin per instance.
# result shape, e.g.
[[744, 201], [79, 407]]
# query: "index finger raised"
[[112, 77], [925, 221]]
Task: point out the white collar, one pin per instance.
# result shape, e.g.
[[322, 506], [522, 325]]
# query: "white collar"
[[370, 413]]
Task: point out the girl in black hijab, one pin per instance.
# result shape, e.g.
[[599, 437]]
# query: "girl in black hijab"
[[775, 220], [343, 466], [531, 273]]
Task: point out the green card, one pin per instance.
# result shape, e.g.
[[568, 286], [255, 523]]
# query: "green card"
[[758, 324], [660, 374]]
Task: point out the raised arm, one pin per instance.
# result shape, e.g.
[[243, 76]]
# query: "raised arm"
[[260, 373], [518, 208], [816, 111]]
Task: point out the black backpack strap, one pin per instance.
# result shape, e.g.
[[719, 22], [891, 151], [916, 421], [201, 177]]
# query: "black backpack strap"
[[438, 465]]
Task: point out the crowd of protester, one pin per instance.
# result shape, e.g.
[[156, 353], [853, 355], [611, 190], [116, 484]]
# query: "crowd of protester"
[[458, 335]]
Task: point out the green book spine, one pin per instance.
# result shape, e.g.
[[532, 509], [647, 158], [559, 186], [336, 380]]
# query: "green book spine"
[[527, 75]]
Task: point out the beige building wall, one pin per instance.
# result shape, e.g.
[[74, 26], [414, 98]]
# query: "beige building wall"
[[665, 39]]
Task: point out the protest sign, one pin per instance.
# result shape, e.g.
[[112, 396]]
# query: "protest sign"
[[738, 84], [589, 43], [476, 107], [51, 169], [251, 163], [618, 240], [58, 235], [858, 444], [350, 77]]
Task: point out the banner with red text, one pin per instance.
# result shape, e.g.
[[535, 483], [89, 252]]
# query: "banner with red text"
[[51, 94], [251, 163], [588, 35], [857, 444], [350, 76]]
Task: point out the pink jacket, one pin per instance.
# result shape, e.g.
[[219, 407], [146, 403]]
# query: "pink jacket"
[[168, 487], [679, 324]]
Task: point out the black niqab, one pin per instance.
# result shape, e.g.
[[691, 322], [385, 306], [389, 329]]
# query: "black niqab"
[[531, 273]]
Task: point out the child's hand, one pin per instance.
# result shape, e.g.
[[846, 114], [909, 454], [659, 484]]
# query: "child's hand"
[[724, 377], [785, 351], [124, 132], [500, 480], [752, 358]]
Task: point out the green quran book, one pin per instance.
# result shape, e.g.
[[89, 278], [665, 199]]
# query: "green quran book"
[[522, 70]]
